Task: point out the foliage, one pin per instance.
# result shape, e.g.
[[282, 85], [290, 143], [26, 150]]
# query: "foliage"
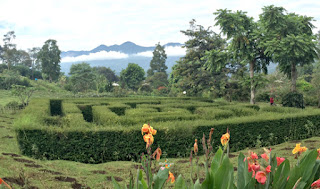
[[132, 76], [157, 80], [112, 133], [158, 61], [82, 77], [49, 56], [293, 99], [23, 93], [189, 74]]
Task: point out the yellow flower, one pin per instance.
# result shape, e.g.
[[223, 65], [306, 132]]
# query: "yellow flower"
[[195, 146], [299, 149], [152, 131], [171, 177], [225, 139], [145, 129], [148, 138]]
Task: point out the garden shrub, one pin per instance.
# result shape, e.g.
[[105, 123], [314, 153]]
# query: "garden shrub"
[[213, 113], [293, 99], [56, 107], [111, 137]]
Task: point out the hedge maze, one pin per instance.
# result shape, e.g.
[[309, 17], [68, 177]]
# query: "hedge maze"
[[108, 129]]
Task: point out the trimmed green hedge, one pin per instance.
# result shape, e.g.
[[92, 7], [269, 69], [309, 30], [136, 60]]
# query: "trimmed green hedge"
[[111, 137]]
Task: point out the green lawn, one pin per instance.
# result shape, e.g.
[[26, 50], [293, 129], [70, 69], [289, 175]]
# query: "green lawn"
[[21, 171]]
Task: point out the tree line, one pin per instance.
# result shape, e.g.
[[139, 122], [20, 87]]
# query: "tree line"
[[230, 64]]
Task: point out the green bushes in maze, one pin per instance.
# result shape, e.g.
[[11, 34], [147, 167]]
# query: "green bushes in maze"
[[112, 137]]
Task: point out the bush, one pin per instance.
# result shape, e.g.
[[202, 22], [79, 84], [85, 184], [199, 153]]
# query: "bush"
[[293, 99], [111, 137], [13, 105]]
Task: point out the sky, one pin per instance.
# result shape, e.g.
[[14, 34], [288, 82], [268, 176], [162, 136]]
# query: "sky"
[[86, 24]]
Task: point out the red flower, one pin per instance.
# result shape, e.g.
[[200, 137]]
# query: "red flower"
[[261, 177], [254, 155], [268, 169], [316, 184], [279, 160], [265, 156]]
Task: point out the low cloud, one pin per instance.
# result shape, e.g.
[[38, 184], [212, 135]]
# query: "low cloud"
[[102, 55], [170, 51]]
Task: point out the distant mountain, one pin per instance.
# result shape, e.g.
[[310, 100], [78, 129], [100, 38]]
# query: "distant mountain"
[[127, 48]]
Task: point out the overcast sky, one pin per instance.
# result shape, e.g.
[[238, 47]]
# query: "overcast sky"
[[85, 24]]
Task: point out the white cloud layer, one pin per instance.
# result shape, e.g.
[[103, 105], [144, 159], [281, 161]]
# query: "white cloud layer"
[[102, 55], [170, 51], [85, 24]]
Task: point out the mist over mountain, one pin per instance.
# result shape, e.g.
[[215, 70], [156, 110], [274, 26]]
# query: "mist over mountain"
[[117, 57]]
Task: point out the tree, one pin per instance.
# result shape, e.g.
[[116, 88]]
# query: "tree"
[[23, 93], [33, 53], [9, 49], [158, 79], [49, 56], [190, 74], [158, 61], [132, 76], [82, 77], [289, 39], [244, 36], [107, 73]]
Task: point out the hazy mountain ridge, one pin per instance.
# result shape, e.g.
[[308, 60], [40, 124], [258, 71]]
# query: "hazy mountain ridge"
[[126, 47]]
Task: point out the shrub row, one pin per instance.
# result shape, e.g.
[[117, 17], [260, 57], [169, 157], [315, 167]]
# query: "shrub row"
[[111, 137]]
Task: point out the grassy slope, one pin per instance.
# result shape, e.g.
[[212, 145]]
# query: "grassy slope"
[[93, 176]]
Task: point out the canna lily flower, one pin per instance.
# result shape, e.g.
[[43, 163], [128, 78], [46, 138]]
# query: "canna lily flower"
[[145, 129], [225, 139], [265, 156], [299, 149], [279, 160], [210, 134], [316, 184], [148, 138], [157, 153], [2, 182], [171, 177], [152, 131], [261, 177], [318, 150], [254, 155], [195, 146], [268, 169]]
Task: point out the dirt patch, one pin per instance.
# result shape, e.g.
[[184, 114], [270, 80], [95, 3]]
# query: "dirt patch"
[[24, 161], [295, 141], [12, 180], [311, 141], [65, 179], [76, 185], [232, 156], [99, 172], [137, 166], [235, 169], [8, 137], [33, 165], [287, 148], [183, 161], [119, 179], [11, 154], [51, 172]]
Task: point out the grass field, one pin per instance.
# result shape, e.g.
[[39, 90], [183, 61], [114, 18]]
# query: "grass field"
[[21, 171]]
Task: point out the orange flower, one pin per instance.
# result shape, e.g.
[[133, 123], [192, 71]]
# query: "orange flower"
[[316, 184], [1, 181], [171, 177], [195, 146], [318, 150], [265, 156], [148, 138], [268, 169], [279, 160], [299, 149], [152, 131], [261, 177], [254, 155], [157, 153], [225, 139], [145, 129]]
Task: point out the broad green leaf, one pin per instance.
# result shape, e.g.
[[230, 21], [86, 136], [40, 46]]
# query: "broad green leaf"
[[244, 177], [281, 175], [223, 177], [216, 161], [160, 178], [180, 183], [197, 185]]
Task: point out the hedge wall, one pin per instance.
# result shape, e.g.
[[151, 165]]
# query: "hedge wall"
[[111, 137]]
